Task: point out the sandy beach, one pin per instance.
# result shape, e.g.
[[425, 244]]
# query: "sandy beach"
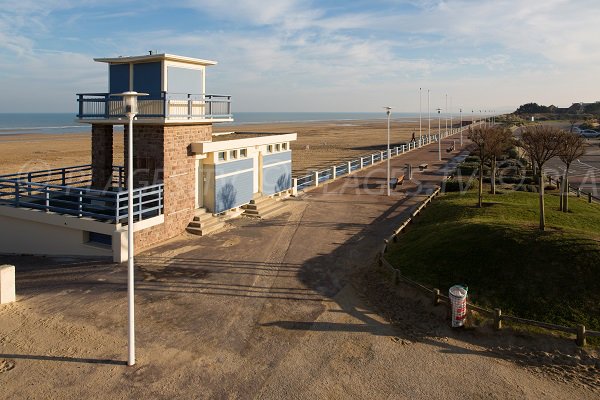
[[319, 144]]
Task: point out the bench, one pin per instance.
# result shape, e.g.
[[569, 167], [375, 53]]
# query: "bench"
[[396, 181], [423, 167]]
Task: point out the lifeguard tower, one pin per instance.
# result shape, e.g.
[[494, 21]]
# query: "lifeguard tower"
[[181, 176]]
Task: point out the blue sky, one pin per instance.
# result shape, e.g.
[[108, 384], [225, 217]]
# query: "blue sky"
[[289, 55]]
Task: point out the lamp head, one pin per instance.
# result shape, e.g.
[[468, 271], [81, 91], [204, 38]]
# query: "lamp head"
[[388, 110], [130, 103]]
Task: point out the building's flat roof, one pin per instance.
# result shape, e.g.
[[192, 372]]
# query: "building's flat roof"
[[242, 139], [222, 136], [154, 57]]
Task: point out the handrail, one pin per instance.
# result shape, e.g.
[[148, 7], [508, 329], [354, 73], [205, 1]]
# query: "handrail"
[[169, 105], [308, 180], [76, 198]]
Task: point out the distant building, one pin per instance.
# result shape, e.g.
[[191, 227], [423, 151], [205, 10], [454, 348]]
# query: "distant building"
[[179, 171]]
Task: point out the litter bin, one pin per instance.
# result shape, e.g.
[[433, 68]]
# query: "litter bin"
[[458, 302]]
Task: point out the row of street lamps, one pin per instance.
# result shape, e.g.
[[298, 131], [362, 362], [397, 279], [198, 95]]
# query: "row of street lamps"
[[388, 111]]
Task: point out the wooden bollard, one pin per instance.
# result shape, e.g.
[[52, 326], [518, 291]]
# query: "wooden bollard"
[[581, 336], [385, 246], [497, 319], [589, 197], [436, 297], [578, 192]]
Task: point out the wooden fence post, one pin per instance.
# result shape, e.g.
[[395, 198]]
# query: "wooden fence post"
[[497, 319], [581, 335], [436, 297], [578, 192], [589, 197]]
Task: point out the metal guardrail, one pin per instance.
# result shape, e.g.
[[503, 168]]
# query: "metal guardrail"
[[80, 175], [168, 105], [67, 191], [307, 181]]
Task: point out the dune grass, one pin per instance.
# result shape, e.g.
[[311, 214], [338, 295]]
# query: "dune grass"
[[498, 251]]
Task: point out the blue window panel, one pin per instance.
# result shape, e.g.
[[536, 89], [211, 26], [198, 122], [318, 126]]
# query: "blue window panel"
[[184, 80], [119, 78], [277, 157], [147, 79], [233, 166], [277, 178], [233, 191]]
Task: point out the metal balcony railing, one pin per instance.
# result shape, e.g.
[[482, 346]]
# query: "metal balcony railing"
[[67, 191], [168, 106]]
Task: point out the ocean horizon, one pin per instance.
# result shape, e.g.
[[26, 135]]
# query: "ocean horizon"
[[48, 123]]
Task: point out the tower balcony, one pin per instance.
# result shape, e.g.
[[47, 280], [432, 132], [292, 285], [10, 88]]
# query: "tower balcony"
[[168, 107]]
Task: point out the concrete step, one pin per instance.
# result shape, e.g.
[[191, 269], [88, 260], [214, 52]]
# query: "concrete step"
[[261, 200], [203, 217], [203, 231], [265, 207], [204, 223]]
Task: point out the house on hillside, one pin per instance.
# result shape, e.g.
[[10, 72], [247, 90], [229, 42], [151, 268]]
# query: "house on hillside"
[[183, 175]]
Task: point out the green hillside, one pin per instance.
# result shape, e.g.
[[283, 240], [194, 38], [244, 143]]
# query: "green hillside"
[[498, 251]]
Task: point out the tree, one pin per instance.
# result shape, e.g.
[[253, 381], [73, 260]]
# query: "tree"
[[541, 143], [572, 147], [499, 141], [573, 119], [481, 138]]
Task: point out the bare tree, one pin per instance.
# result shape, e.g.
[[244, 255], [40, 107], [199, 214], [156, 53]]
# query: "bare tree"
[[481, 138], [573, 119], [541, 143], [572, 147], [499, 140]]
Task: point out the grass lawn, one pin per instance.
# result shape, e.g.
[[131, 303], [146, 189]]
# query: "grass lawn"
[[498, 251]]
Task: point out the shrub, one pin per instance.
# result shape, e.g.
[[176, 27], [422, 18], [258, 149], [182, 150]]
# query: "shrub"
[[455, 185], [471, 159], [513, 153], [526, 188], [468, 168]]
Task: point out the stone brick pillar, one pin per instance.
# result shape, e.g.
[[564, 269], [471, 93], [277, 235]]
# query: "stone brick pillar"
[[102, 156], [162, 154], [148, 154]]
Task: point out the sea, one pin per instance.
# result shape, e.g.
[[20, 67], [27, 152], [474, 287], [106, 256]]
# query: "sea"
[[48, 123]]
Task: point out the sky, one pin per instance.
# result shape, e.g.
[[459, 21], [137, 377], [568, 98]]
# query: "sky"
[[310, 56]]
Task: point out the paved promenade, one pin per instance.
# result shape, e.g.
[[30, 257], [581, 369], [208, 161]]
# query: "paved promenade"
[[276, 308]]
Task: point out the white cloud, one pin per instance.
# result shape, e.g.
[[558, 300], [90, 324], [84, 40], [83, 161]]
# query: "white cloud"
[[301, 55]]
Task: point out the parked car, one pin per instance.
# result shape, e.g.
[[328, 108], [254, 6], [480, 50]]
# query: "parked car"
[[589, 133]]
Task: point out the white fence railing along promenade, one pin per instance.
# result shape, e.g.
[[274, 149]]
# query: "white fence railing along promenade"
[[315, 178]]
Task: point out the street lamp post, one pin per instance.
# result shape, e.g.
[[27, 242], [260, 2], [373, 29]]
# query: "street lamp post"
[[388, 111], [130, 108], [428, 119], [420, 118], [446, 116], [461, 128], [439, 110], [451, 117]]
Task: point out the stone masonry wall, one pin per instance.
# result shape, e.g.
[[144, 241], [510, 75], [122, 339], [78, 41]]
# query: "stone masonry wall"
[[148, 154], [179, 177], [102, 156]]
